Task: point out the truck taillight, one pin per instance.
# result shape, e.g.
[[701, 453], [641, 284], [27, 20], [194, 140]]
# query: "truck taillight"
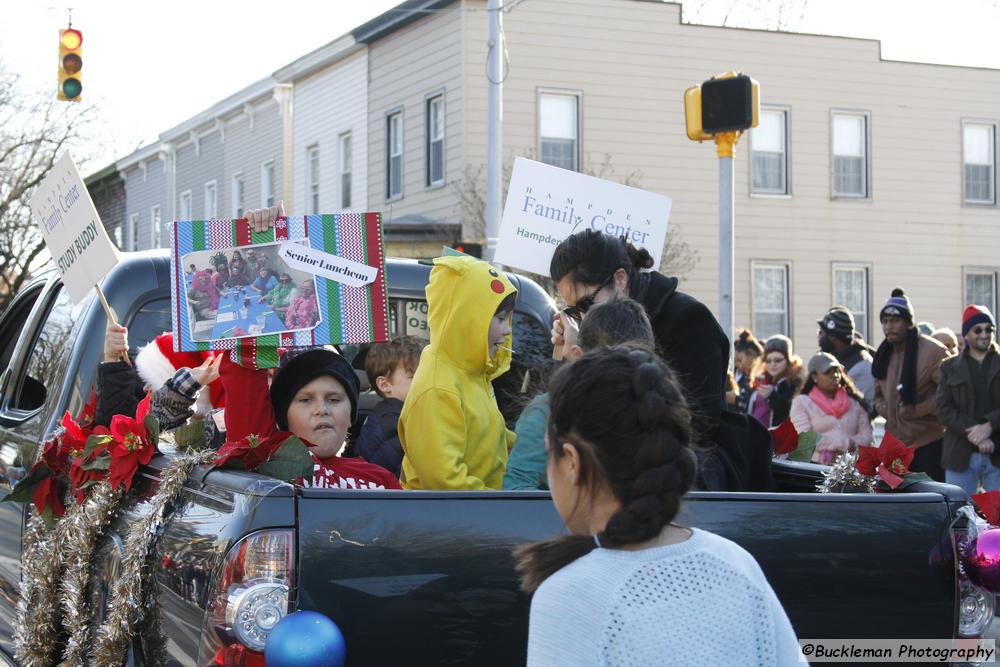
[[248, 599]]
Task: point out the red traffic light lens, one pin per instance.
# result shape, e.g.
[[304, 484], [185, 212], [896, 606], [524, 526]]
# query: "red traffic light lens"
[[71, 88], [72, 63], [72, 39]]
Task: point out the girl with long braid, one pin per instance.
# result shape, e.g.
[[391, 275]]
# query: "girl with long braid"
[[629, 586]]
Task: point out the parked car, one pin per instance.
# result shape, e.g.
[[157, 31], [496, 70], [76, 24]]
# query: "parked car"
[[424, 577]]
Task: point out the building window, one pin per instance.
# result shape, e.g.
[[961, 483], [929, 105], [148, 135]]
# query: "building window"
[[979, 150], [435, 140], [850, 155], [160, 239], [116, 234], [312, 179], [132, 233], [850, 290], [345, 170], [559, 130], [185, 207], [211, 201], [770, 298], [238, 192], [981, 288], [267, 184], [394, 155], [768, 141]]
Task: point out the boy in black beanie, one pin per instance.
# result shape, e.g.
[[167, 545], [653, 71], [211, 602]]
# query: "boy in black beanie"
[[315, 396]]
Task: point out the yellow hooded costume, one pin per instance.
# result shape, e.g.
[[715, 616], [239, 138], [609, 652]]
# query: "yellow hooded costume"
[[452, 432]]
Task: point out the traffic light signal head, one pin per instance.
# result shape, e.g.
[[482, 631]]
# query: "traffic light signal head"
[[471, 249], [70, 65], [728, 104]]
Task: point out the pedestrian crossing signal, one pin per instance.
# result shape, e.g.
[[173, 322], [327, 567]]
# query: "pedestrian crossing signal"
[[728, 102], [471, 249], [70, 65]]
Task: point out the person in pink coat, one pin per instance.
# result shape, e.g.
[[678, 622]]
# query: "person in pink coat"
[[304, 311], [831, 406]]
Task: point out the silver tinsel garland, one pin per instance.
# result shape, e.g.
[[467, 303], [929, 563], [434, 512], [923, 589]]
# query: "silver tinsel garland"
[[843, 477], [125, 599], [83, 531]]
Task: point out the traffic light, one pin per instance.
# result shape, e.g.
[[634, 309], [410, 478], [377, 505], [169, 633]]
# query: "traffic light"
[[471, 249], [728, 102], [70, 65]]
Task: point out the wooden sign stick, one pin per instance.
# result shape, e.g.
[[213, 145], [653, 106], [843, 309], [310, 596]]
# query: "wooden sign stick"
[[111, 316]]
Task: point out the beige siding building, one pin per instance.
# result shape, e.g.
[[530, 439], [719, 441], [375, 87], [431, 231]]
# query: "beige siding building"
[[865, 173]]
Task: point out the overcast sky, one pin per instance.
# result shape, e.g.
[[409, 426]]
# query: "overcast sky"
[[151, 65]]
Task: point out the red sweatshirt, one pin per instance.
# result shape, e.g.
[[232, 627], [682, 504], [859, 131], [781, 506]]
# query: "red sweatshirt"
[[249, 411]]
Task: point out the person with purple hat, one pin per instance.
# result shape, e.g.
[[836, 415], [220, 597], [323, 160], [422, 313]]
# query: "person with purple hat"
[[968, 402], [907, 368]]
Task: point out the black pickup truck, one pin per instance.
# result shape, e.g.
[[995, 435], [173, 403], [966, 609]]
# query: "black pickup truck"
[[427, 577]]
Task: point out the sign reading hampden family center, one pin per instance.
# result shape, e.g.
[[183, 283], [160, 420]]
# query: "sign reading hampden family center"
[[311, 280], [76, 239], [545, 204]]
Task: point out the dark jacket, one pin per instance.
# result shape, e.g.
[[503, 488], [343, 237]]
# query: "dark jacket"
[[691, 341], [956, 400], [378, 441], [119, 390]]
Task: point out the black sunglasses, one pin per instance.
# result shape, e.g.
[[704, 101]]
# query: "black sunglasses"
[[984, 329], [580, 308]]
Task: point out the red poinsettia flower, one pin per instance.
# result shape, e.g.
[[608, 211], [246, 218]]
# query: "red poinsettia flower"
[[989, 504], [130, 446], [890, 461], [82, 472], [47, 495], [89, 410], [73, 438], [251, 451], [786, 438]]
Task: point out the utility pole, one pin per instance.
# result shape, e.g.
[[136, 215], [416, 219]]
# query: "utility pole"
[[494, 126]]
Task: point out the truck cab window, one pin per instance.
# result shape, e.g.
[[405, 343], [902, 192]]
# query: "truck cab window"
[[50, 352], [13, 323], [148, 322]]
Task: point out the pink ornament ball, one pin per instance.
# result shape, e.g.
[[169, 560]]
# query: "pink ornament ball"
[[983, 563]]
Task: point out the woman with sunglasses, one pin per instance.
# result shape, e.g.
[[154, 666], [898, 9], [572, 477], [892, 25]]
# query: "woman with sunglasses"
[[282, 296], [777, 386], [591, 267]]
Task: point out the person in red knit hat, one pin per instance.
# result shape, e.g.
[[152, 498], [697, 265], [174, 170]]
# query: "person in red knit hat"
[[968, 402]]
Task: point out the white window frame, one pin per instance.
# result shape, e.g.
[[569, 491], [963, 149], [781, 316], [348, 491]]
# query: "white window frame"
[[185, 201], [992, 125], [391, 154], [979, 271], [118, 234], [786, 191], [556, 92], [237, 194], [866, 162], [866, 268], [211, 200], [157, 226], [267, 198], [345, 146], [431, 138], [312, 179], [131, 234], [786, 266]]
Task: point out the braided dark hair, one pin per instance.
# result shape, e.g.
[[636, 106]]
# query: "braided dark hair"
[[591, 257], [624, 411]]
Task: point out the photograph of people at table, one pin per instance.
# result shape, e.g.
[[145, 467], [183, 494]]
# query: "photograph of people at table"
[[275, 299]]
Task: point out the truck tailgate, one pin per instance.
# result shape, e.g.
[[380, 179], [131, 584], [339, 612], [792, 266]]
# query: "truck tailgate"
[[428, 577]]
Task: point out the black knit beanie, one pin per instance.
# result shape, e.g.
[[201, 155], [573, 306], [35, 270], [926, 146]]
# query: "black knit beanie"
[[302, 369]]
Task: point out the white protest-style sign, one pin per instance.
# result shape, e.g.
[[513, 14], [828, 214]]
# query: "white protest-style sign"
[[325, 265], [73, 232], [545, 204]]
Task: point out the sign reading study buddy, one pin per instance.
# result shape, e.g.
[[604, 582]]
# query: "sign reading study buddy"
[[545, 204], [73, 233], [310, 280]]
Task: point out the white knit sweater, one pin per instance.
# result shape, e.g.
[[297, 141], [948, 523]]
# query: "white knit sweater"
[[703, 601]]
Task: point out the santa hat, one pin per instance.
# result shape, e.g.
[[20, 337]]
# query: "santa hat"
[[157, 362], [974, 315]]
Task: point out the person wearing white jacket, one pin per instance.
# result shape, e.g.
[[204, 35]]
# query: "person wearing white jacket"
[[831, 406]]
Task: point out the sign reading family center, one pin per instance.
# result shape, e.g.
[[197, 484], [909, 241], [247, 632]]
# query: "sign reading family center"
[[545, 204], [310, 280], [72, 229]]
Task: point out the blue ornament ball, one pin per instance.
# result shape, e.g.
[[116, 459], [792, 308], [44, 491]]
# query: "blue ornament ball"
[[305, 639]]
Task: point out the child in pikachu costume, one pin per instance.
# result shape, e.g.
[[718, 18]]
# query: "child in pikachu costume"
[[453, 435]]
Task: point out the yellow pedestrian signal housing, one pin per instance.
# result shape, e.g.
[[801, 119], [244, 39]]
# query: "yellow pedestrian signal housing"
[[70, 65], [728, 102]]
